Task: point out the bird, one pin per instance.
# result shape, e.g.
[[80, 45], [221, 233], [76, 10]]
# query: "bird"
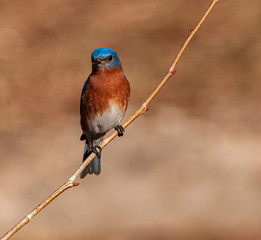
[[104, 100]]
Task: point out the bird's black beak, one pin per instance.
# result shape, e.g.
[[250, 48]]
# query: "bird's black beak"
[[98, 61]]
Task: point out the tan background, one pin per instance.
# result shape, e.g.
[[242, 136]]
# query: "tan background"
[[189, 169]]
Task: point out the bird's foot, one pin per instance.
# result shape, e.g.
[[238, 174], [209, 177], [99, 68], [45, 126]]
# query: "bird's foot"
[[95, 150], [120, 130]]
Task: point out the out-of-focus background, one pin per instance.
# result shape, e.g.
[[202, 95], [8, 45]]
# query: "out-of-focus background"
[[189, 168]]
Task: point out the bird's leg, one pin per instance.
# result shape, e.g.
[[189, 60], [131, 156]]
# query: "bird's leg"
[[120, 130], [95, 149]]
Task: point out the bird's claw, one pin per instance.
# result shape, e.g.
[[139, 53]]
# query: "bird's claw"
[[120, 130], [95, 150]]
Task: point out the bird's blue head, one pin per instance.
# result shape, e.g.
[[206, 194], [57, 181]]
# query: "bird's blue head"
[[105, 58]]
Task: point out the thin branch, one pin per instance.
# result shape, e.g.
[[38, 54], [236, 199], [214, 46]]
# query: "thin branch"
[[144, 107]]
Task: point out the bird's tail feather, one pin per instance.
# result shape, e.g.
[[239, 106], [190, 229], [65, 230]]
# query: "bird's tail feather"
[[94, 166]]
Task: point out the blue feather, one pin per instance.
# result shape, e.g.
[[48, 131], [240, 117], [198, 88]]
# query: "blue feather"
[[102, 54]]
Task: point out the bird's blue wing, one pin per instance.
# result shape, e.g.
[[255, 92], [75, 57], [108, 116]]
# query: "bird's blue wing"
[[83, 91]]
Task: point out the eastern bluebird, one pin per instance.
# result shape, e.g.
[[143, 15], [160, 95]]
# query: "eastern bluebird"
[[104, 100]]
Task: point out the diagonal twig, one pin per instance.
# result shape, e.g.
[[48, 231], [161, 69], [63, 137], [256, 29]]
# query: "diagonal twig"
[[144, 107]]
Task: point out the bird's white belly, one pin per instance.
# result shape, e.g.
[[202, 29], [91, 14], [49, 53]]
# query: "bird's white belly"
[[104, 122]]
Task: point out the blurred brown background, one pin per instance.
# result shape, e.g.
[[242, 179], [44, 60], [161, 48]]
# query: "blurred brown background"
[[188, 169]]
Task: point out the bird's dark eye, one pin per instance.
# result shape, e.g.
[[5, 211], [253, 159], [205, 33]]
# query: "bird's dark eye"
[[110, 58]]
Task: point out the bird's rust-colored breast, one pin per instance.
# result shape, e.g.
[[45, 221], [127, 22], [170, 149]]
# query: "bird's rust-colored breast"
[[103, 87]]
